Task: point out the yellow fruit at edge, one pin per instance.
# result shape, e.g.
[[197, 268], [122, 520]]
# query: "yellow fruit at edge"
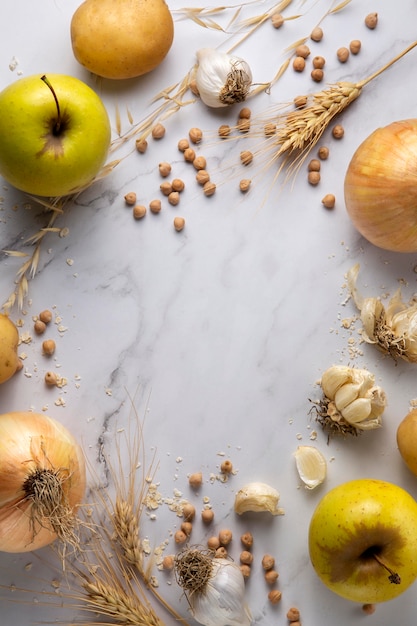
[[9, 339], [121, 38], [407, 440]]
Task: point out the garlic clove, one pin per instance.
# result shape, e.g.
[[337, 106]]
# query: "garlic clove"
[[346, 394], [333, 378], [357, 411], [257, 497], [311, 466]]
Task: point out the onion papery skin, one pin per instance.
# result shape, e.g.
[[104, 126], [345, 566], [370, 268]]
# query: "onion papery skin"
[[32, 442], [381, 187]]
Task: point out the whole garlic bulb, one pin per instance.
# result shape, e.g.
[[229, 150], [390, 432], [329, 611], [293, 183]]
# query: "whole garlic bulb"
[[393, 329], [222, 79], [351, 400], [215, 588]]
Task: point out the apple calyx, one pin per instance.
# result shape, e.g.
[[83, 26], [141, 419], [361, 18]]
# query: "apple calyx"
[[56, 129], [393, 577]]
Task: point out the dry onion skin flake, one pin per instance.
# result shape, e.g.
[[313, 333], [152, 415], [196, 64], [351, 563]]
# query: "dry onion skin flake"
[[257, 497], [351, 402], [42, 482], [222, 79], [214, 587], [391, 328]]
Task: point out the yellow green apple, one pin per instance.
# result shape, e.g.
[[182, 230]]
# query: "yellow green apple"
[[54, 134], [363, 540]]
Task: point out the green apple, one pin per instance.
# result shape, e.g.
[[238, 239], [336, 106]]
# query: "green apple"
[[54, 134], [363, 540]]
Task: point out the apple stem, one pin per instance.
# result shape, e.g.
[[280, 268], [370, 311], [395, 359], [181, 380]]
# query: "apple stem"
[[57, 126], [393, 576]]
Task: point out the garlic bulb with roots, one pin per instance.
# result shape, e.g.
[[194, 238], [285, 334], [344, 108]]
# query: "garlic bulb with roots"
[[214, 587], [352, 402], [222, 79], [391, 328]]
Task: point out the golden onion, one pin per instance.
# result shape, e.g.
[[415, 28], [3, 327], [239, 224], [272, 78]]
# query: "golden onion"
[[381, 187], [42, 481]]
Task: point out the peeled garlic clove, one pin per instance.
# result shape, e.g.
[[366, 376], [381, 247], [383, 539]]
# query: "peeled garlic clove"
[[257, 497], [345, 395], [311, 466], [333, 378]]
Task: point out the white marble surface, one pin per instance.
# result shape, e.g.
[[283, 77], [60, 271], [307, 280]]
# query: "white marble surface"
[[221, 331]]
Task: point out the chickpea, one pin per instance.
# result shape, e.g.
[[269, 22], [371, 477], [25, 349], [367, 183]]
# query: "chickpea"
[[39, 327], [243, 125], [45, 316], [246, 557], [221, 552], [195, 480], [180, 537], [274, 596], [193, 87], [226, 467], [247, 540], [188, 512], [293, 614], [183, 144], [323, 153], [338, 131], [179, 223], [268, 562], [246, 157], [314, 165], [371, 20], [166, 188], [178, 185], [164, 169], [209, 188], [225, 536], [246, 570], [313, 178], [207, 516], [244, 185], [139, 211], [329, 201], [271, 576], [174, 198], [196, 135], [168, 563], [355, 46], [368, 609], [51, 379], [319, 62], [48, 347], [299, 64], [202, 177], [155, 206], [186, 528], [189, 155], [200, 163], [343, 54], [270, 129], [316, 34], [302, 51], [317, 75], [158, 131], [141, 145], [245, 113], [224, 130], [300, 101], [213, 543], [277, 20], [130, 198]]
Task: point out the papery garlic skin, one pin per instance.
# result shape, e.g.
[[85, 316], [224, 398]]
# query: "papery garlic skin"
[[258, 497], [222, 79], [352, 396], [221, 602], [393, 329]]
